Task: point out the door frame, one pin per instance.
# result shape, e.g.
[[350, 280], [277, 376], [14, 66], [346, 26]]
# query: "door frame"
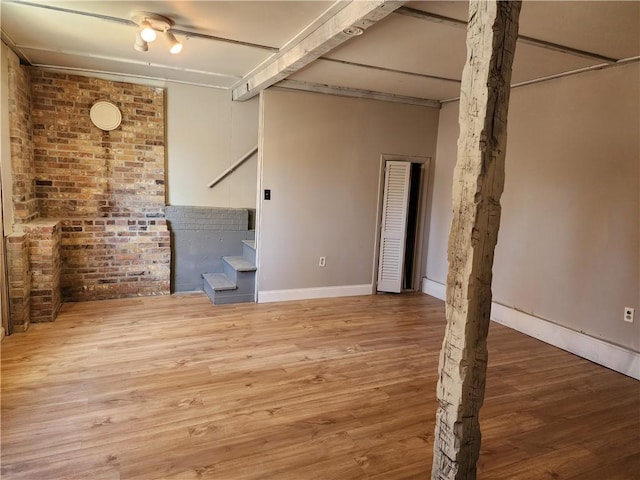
[[5, 325], [420, 248]]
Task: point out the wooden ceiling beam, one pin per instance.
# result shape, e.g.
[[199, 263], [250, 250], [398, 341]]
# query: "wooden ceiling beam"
[[355, 92], [307, 48]]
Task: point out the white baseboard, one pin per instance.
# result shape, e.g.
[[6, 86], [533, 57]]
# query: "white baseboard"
[[309, 293], [435, 289], [598, 351]]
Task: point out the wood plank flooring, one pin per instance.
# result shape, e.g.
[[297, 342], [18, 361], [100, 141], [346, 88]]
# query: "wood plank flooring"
[[333, 389]]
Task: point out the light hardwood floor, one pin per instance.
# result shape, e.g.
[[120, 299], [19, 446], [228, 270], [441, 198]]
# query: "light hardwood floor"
[[333, 389]]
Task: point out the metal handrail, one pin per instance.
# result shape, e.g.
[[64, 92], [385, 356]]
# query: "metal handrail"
[[240, 161]]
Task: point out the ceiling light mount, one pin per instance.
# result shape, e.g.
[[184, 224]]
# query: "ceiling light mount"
[[148, 26], [353, 31], [155, 22]]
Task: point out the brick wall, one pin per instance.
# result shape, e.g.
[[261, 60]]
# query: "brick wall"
[[88, 204], [44, 237], [25, 207], [107, 258], [84, 171], [107, 188], [17, 245]]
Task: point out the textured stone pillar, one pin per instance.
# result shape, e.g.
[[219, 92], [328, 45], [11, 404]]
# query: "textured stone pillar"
[[478, 185]]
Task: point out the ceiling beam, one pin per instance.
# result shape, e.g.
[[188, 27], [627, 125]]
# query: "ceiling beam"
[[307, 48], [355, 92], [454, 22]]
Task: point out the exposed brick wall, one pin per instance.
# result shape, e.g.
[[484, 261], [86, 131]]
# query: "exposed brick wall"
[[89, 204], [106, 187], [19, 281], [104, 258], [25, 206], [83, 171], [44, 262]]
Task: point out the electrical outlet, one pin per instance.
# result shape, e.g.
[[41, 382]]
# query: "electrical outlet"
[[322, 262], [628, 314]]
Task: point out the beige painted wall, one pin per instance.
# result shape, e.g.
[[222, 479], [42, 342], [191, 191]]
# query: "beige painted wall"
[[206, 133], [321, 160], [5, 147], [569, 243], [6, 208]]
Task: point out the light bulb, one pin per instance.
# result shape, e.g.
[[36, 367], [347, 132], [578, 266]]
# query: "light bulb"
[[147, 32], [174, 45], [140, 44]]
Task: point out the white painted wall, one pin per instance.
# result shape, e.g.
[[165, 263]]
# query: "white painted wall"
[[569, 244], [206, 133], [321, 159]]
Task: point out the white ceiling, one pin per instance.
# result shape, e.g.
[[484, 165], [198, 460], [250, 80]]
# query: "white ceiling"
[[417, 51]]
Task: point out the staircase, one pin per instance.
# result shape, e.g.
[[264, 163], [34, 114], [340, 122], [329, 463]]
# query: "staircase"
[[236, 284]]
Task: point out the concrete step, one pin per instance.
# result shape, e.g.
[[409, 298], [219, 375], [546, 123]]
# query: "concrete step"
[[226, 298], [240, 264], [249, 250], [218, 287], [221, 289], [237, 283], [218, 282], [244, 280]]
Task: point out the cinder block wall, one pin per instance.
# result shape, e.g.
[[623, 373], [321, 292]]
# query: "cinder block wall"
[[207, 218], [200, 237], [107, 188]]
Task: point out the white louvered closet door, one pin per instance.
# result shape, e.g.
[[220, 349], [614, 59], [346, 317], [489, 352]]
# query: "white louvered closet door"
[[394, 226]]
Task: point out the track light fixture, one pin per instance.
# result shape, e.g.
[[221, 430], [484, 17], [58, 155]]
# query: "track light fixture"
[[149, 24], [147, 32], [141, 45], [174, 45]]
